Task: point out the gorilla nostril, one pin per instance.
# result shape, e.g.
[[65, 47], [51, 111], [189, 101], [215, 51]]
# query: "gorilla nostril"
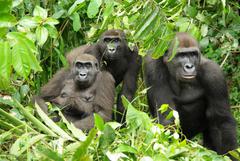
[[111, 49], [188, 66], [82, 74]]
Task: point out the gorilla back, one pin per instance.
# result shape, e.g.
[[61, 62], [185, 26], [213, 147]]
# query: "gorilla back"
[[196, 88]]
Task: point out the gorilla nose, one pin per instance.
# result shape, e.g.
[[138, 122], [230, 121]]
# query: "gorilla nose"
[[112, 50], [188, 67], [83, 74]]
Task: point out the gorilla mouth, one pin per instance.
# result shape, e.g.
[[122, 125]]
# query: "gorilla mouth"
[[188, 76]]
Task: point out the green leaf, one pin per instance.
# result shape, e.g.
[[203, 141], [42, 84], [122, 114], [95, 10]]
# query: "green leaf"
[[3, 32], [7, 20], [81, 151], [49, 153], [5, 6], [18, 37], [99, 123], [52, 31], [29, 22], [58, 14], [16, 3], [39, 11], [21, 61], [77, 133], [204, 42], [41, 35], [52, 124], [107, 137], [24, 90], [5, 64], [164, 108], [191, 11], [76, 21], [136, 119], [24, 142], [204, 30], [51, 21], [23, 53], [107, 12], [149, 19], [93, 8], [76, 6], [126, 148]]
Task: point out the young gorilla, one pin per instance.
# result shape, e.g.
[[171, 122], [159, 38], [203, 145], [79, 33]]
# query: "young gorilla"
[[81, 92], [117, 58], [196, 88]]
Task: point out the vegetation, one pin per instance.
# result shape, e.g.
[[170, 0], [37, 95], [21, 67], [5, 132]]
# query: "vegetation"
[[34, 37]]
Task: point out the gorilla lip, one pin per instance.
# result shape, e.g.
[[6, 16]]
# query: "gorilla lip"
[[188, 76]]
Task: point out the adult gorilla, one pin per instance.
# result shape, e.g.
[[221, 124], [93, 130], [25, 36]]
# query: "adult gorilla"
[[196, 88], [80, 92], [115, 56]]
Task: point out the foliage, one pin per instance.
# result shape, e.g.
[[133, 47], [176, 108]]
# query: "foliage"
[[140, 139], [34, 37]]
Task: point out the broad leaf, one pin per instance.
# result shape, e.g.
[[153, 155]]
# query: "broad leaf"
[[39, 11], [76, 21], [5, 64], [5, 6], [76, 6], [42, 35], [93, 8], [7, 20]]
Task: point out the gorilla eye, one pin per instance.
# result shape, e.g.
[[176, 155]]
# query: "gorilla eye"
[[78, 64], [107, 39], [116, 40], [63, 95], [88, 65]]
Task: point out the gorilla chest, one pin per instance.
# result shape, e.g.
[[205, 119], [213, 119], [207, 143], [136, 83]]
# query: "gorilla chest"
[[190, 98], [117, 68], [191, 106]]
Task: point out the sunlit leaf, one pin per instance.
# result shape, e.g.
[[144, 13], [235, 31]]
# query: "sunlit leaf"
[[29, 22], [52, 31], [76, 21], [39, 11], [5, 6], [99, 122], [204, 30], [149, 20], [42, 35], [81, 151], [126, 148], [5, 64], [24, 142], [7, 20], [76, 6], [93, 8], [51, 21]]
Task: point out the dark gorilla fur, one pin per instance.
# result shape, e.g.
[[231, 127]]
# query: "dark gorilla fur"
[[116, 57], [196, 88], [79, 98]]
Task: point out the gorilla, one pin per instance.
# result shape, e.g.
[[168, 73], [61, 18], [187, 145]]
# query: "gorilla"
[[194, 86], [116, 57], [80, 92]]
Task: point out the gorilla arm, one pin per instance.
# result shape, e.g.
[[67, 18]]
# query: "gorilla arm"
[[104, 100], [222, 129], [129, 86], [53, 88], [160, 91]]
